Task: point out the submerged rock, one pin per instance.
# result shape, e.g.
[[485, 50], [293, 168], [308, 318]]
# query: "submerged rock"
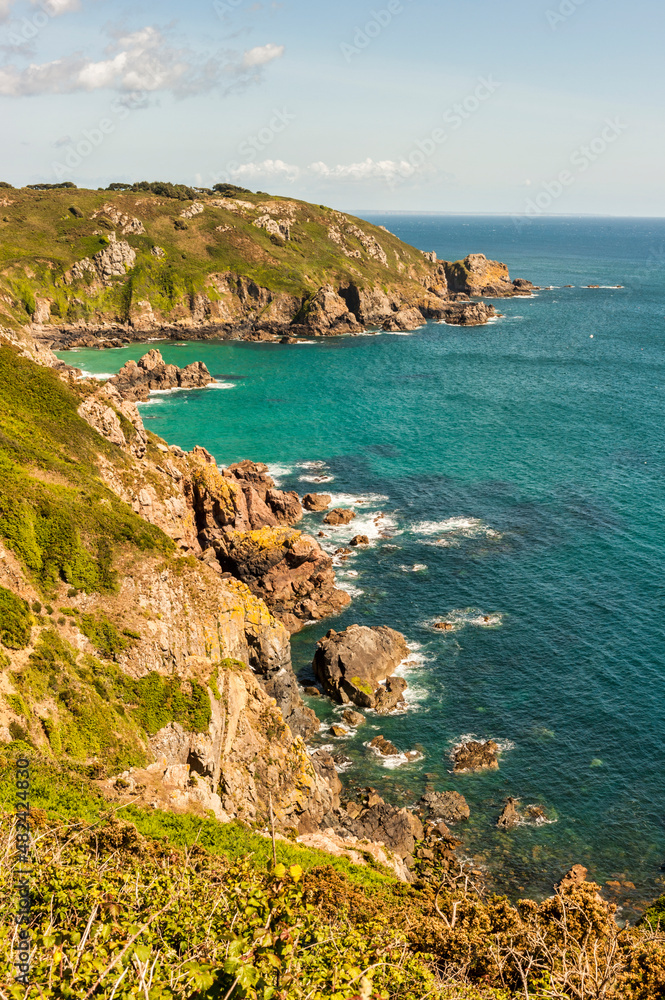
[[510, 815], [353, 718], [451, 806], [351, 665], [476, 756]]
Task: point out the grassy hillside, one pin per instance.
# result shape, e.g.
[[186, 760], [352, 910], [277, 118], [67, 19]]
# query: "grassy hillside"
[[43, 233]]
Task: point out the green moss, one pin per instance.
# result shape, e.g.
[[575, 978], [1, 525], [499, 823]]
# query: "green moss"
[[15, 620]]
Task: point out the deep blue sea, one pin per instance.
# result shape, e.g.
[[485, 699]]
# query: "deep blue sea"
[[515, 473]]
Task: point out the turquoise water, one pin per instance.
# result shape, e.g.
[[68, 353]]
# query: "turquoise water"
[[519, 469]]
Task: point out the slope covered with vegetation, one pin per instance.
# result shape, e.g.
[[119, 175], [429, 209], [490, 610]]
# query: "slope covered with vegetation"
[[280, 244]]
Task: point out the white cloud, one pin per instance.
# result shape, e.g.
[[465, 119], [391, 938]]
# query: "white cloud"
[[368, 169], [261, 55], [388, 170], [138, 61], [269, 170], [5, 9], [57, 7]]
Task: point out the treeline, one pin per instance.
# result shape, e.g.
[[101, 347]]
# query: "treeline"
[[165, 189]]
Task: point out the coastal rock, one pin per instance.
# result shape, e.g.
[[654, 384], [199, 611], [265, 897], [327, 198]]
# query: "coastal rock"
[[390, 695], [286, 568], [476, 756], [136, 380], [380, 822], [384, 746], [285, 506], [572, 879], [466, 313], [359, 540], [510, 815], [351, 664], [316, 501], [476, 275], [327, 315], [451, 807], [356, 851], [404, 319], [353, 718], [340, 515]]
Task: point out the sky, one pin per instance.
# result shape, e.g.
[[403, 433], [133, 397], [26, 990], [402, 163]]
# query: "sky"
[[488, 106]]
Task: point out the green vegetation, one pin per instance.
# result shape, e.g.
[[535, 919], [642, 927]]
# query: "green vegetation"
[[145, 903], [104, 636], [40, 240], [15, 620], [161, 700], [56, 515]]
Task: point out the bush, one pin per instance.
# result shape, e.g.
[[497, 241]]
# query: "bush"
[[15, 620], [229, 190]]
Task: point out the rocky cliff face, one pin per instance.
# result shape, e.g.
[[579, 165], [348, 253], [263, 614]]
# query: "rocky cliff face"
[[132, 267]]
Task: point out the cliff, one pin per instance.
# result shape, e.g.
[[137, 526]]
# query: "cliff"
[[85, 267], [121, 648]]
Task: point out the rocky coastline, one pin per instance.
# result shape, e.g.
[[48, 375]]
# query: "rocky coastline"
[[451, 294], [241, 527]]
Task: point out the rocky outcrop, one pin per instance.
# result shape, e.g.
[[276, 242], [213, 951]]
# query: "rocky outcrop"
[[466, 313], [510, 815], [476, 275], [451, 807], [136, 380], [476, 756], [287, 569], [572, 879], [379, 822], [352, 664], [327, 315], [129, 225], [316, 502], [403, 319], [340, 515], [247, 756]]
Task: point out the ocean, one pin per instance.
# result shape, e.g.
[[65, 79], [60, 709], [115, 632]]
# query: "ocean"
[[510, 478]]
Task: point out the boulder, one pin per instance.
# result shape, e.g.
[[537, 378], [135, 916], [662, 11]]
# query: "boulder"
[[353, 718], [384, 746], [405, 319], [390, 695], [451, 807], [476, 756], [340, 515], [476, 275], [316, 501], [351, 665], [359, 540]]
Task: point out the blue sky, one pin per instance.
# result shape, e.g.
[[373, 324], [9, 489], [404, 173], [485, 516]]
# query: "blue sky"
[[488, 106]]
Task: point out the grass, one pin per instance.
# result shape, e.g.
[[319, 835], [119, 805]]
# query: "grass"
[[56, 514], [41, 239], [66, 793]]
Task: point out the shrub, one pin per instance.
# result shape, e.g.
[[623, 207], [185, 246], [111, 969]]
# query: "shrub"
[[15, 620]]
